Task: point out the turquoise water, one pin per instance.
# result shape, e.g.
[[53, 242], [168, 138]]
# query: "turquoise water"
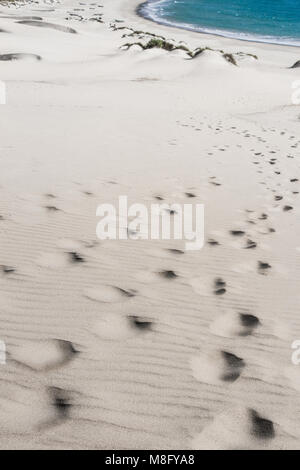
[[275, 21]]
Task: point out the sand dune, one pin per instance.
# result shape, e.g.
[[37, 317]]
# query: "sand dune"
[[19, 56], [44, 24], [115, 344]]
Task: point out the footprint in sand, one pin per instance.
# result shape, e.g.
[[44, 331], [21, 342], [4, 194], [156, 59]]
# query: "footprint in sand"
[[69, 244], [237, 233], [145, 276], [51, 208], [141, 324], [109, 294], [60, 260], [76, 257], [60, 402], [43, 355], [260, 428], [203, 286], [168, 274], [263, 267], [200, 286], [234, 429], [235, 324], [5, 270], [175, 251], [250, 244], [216, 367], [53, 260], [159, 198], [219, 286], [244, 268], [118, 327], [212, 242], [35, 409]]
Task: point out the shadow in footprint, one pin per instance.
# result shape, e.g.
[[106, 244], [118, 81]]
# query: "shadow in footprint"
[[60, 400], [168, 274], [234, 366], [237, 233], [7, 269], [250, 244], [175, 251], [139, 323], [109, 294], [76, 257], [220, 286], [261, 428], [249, 323], [263, 267]]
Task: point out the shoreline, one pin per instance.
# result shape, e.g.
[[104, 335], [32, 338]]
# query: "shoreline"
[[222, 33], [130, 9], [269, 54]]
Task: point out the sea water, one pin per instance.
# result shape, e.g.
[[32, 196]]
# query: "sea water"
[[273, 21]]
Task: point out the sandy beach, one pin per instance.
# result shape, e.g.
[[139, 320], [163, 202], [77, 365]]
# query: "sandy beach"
[[140, 344]]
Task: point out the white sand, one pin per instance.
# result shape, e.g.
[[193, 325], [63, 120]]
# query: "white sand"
[[85, 122]]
